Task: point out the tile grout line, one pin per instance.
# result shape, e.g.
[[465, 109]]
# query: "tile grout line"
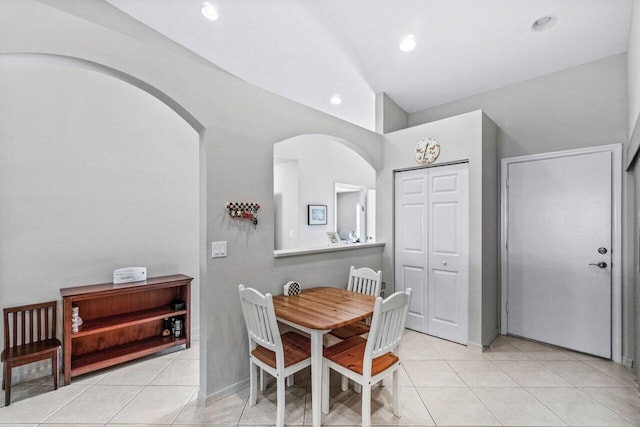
[[195, 392], [607, 374], [421, 399], [607, 405], [532, 395], [572, 384], [65, 404], [125, 405], [545, 405], [246, 402], [478, 397]]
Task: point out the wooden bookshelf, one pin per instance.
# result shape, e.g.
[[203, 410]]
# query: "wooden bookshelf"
[[122, 322]]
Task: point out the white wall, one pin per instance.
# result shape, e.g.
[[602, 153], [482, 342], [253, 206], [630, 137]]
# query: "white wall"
[[285, 193], [579, 107], [632, 260], [322, 162], [633, 66], [471, 137], [94, 175], [389, 116], [238, 126]]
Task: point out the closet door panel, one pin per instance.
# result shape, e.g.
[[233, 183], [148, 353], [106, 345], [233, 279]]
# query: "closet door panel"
[[431, 248], [411, 212], [448, 289]]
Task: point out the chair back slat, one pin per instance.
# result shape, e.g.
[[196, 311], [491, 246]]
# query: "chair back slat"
[[260, 319], [23, 317], [39, 324], [364, 281], [15, 330], [387, 325], [33, 325], [46, 324], [29, 323]]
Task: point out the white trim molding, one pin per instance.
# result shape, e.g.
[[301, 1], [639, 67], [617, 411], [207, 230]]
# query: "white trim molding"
[[225, 392], [616, 234]]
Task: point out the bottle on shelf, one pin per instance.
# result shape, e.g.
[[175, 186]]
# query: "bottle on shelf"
[[75, 318]]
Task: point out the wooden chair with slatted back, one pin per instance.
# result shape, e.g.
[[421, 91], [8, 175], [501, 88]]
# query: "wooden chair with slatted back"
[[29, 336], [278, 355], [368, 361], [364, 281]]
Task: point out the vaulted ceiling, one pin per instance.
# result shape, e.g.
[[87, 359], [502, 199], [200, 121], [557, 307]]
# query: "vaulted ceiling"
[[311, 50]]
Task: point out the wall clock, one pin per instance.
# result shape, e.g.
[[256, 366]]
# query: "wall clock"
[[427, 150]]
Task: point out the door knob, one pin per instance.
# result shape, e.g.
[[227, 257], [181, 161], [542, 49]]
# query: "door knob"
[[444, 262], [600, 264]]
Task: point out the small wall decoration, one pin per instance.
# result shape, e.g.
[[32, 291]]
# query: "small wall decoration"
[[248, 211], [427, 151], [317, 214]]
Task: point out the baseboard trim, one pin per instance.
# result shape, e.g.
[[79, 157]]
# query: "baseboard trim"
[[226, 392], [474, 346], [487, 342], [627, 363]]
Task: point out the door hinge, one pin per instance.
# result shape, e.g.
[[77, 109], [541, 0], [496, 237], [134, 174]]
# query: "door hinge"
[[507, 307], [507, 182], [507, 246]]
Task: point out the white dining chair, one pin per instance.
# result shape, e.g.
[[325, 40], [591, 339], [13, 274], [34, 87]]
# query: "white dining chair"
[[364, 281], [290, 289], [278, 355], [367, 361]]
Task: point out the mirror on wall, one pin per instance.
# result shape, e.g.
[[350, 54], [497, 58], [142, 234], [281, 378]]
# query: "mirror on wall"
[[321, 170]]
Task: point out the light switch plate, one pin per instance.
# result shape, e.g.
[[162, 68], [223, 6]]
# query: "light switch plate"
[[218, 249]]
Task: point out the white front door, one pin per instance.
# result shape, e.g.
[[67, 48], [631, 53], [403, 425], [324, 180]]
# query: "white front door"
[[559, 251], [431, 248]]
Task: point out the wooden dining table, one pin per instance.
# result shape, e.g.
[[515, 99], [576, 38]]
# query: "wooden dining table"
[[318, 311]]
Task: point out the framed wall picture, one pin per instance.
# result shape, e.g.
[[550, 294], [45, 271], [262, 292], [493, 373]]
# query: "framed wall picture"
[[317, 214]]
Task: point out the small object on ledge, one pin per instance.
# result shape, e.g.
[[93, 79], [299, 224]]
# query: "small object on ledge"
[[334, 238], [167, 325], [76, 321], [178, 327], [292, 288], [178, 304], [129, 274]]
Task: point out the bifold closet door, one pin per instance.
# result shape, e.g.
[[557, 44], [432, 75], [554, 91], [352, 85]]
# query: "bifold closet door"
[[431, 248]]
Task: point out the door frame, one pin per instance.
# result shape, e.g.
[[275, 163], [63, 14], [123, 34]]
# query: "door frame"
[[394, 173], [616, 235]]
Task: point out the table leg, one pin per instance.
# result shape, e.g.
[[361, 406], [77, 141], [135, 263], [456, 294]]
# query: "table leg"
[[316, 376]]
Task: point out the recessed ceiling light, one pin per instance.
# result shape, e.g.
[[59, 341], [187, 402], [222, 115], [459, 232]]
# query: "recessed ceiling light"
[[408, 43], [209, 11], [336, 100], [544, 23]]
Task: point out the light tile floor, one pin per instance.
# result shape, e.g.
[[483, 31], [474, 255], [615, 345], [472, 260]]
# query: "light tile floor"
[[514, 383]]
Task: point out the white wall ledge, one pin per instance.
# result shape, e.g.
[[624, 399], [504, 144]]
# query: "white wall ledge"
[[281, 253]]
